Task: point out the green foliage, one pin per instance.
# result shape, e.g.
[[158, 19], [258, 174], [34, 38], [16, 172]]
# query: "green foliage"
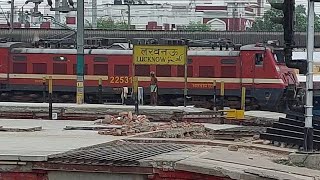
[[265, 23], [195, 26], [110, 24], [87, 25]]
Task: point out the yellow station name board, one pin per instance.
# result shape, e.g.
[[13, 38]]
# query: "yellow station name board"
[[159, 55]]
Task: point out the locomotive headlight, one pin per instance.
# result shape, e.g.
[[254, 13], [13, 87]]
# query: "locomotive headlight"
[[277, 68], [62, 58], [267, 95]]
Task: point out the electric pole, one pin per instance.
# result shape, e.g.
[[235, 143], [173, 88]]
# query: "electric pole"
[[11, 14], [308, 129], [80, 51], [57, 13], [65, 8], [94, 13]]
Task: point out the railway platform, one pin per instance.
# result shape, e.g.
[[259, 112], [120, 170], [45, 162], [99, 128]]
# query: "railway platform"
[[64, 111], [53, 153], [39, 149]]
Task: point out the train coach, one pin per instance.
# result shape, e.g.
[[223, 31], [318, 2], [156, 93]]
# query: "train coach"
[[270, 84]]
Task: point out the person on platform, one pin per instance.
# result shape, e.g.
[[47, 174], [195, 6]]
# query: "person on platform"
[[154, 89]]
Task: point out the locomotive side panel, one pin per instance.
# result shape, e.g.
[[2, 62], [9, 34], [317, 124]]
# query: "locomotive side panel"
[[4, 76], [252, 68]]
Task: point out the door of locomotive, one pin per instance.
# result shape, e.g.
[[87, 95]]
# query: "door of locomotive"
[[252, 65]]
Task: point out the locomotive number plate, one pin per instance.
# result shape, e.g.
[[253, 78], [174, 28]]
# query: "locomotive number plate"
[[202, 86], [120, 80]]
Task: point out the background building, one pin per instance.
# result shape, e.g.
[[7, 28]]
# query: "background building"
[[220, 15]]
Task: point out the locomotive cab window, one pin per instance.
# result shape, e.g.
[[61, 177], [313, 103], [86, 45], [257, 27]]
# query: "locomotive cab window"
[[259, 59]]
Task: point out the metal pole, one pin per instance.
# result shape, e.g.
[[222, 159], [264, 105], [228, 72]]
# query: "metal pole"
[[308, 130], [135, 88], [50, 97], [11, 14], [94, 13], [222, 93], [243, 98], [222, 99], [129, 16], [100, 91], [80, 52], [185, 92], [135, 91], [44, 89], [215, 98], [57, 13], [22, 15], [233, 18]]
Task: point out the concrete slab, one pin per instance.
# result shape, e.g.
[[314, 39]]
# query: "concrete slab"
[[101, 106], [218, 161], [52, 139], [219, 126], [263, 118], [91, 127], [93, 111], [21, 128], [254, 160], [234, 171], [308, 160], [265, 114]]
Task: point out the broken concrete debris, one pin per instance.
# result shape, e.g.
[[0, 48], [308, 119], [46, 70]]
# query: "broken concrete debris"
[[132, 124], [21, 129], [233, 148]]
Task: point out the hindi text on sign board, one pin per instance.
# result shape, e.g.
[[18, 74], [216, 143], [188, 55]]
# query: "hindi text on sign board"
[[160, 55]]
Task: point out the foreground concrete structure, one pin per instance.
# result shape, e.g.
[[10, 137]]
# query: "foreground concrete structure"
[[307, 160], [57, 154]]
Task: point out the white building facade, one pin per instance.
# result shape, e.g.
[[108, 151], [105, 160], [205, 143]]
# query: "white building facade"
[[220, 15]]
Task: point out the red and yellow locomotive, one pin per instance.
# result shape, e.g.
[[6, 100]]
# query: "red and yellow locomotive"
[[269, 82]]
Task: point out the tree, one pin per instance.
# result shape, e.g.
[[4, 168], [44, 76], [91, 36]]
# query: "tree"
[[88, 24], [195, 26], [265, 23], [110, 24]]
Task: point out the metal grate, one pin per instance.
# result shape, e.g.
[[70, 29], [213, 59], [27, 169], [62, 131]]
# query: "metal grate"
[[117, 154]]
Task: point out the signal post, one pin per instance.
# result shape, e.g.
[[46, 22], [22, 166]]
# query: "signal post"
[[287, 21], [288, 8]]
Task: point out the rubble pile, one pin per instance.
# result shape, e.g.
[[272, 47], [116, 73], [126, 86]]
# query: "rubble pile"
[[130, 124]]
